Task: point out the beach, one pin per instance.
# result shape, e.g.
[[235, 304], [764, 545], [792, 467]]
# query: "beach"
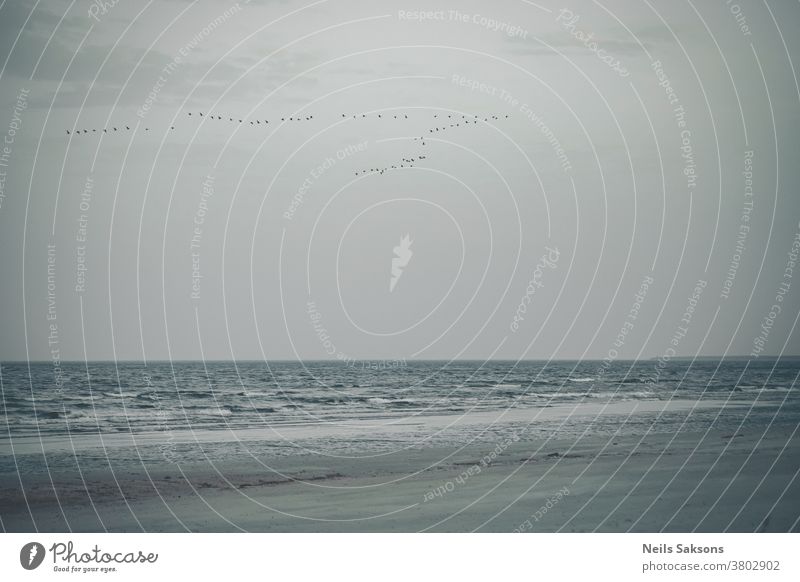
[[678, 465]]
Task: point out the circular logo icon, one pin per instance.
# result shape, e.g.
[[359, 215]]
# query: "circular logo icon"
[[31, 555]]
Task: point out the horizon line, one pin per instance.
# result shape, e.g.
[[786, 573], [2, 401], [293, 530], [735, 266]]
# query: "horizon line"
[[331, 360]]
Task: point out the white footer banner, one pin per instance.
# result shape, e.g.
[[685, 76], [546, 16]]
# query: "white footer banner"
[[379, 557]]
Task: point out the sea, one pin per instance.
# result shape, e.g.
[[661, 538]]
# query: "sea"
[[134, 397]]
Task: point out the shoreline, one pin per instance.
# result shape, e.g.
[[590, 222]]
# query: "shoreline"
[[616, 481], [352, 428]]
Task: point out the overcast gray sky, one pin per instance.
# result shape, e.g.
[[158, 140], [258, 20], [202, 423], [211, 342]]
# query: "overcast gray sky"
[[616, 133]]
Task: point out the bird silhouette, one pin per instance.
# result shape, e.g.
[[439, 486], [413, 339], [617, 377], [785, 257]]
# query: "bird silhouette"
[[407, 161]]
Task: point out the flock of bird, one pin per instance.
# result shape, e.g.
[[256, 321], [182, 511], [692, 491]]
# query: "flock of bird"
[[409, 161], [106, 130], [463, 120], [459, 120], [448, 121], [253, 121]]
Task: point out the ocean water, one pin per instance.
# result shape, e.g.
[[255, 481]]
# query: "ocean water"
[[127, 397]]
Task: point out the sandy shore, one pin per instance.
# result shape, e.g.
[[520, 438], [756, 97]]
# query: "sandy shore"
[[597, 467]]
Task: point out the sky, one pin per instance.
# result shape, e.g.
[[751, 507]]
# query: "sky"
[[470, 180]]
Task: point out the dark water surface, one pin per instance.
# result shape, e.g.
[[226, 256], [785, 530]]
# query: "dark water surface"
[[133, 397]]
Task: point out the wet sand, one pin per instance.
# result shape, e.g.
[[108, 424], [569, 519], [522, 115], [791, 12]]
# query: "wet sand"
[[620, 466]]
